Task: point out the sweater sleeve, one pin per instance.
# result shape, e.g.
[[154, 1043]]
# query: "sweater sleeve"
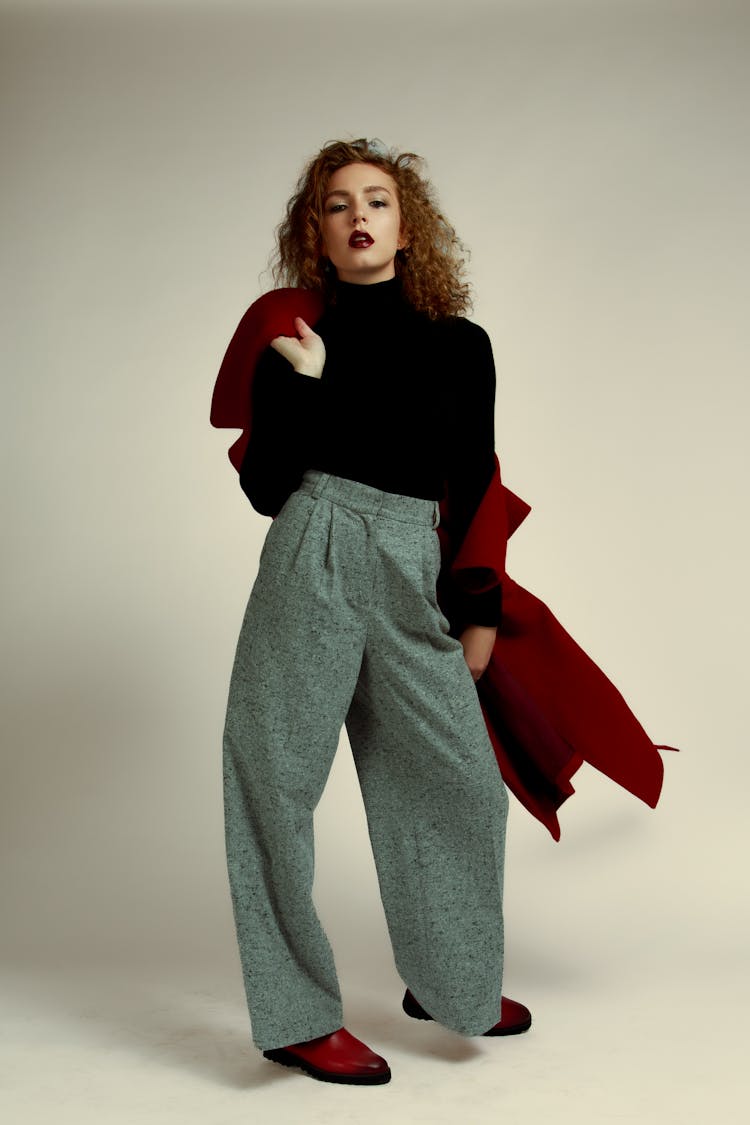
[[472, 463], [286, 407]]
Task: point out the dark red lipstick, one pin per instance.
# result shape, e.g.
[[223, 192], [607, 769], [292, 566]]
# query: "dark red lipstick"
[[360, 238]]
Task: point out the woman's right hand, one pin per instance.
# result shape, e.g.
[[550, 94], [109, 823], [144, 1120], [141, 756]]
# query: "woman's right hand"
[[307, 354]]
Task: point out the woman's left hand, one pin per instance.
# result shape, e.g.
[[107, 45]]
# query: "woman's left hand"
[[478, 642]]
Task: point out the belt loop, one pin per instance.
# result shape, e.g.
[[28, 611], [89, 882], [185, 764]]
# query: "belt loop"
[[436, 514], [320, 484]]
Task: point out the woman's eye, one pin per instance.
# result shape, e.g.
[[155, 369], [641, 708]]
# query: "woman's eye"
[[340, 206]]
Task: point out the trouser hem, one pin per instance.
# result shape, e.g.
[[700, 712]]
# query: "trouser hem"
[[297, 1035]]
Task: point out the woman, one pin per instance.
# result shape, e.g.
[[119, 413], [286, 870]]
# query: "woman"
[[360, 422]]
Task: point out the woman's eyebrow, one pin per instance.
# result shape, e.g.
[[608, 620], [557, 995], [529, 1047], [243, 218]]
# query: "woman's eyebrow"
[[372, 187]]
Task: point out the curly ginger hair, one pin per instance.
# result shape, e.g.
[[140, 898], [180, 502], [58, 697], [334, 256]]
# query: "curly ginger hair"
[[431, 268]]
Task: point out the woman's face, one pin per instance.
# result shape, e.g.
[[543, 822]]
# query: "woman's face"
[[361, 199]]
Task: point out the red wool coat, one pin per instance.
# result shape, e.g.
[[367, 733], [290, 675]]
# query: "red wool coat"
[[547, 706]]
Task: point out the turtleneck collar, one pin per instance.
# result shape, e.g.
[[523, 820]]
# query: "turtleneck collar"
[[375, 297]]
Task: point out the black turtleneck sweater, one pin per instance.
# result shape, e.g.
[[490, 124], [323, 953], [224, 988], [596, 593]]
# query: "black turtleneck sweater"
[[404, 403]]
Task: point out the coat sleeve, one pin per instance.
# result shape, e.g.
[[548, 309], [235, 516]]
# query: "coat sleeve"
[[471, 465], [286, 408]]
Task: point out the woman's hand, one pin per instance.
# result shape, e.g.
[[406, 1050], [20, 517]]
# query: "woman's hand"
[[306, 355], [478, 642]]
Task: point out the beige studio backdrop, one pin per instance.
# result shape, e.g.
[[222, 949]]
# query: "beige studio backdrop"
[[594, 158]]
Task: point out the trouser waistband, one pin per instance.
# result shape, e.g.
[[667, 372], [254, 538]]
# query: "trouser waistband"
[[368, 500]]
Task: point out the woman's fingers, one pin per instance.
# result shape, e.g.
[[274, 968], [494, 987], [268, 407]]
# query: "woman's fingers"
[[306, 354], [288, 346], [306, 334], [284, 341], [310, 341]]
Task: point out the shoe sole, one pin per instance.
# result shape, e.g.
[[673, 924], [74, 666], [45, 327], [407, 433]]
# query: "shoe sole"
[[516, 1030], [287, 1058], [420, 1014]]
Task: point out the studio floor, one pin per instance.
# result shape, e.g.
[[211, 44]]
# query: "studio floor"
[[118, 1044]]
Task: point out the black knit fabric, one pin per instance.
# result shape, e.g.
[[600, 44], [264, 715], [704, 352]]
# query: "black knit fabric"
[[405, 404]]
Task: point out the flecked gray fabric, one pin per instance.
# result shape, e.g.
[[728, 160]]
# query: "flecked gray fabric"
[[343, 627]]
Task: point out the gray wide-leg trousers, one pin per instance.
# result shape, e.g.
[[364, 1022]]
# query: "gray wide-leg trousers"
[[343, 627]]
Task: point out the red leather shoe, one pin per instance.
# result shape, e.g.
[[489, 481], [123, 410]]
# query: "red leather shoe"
[[338, 1057], [516, 1017]]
